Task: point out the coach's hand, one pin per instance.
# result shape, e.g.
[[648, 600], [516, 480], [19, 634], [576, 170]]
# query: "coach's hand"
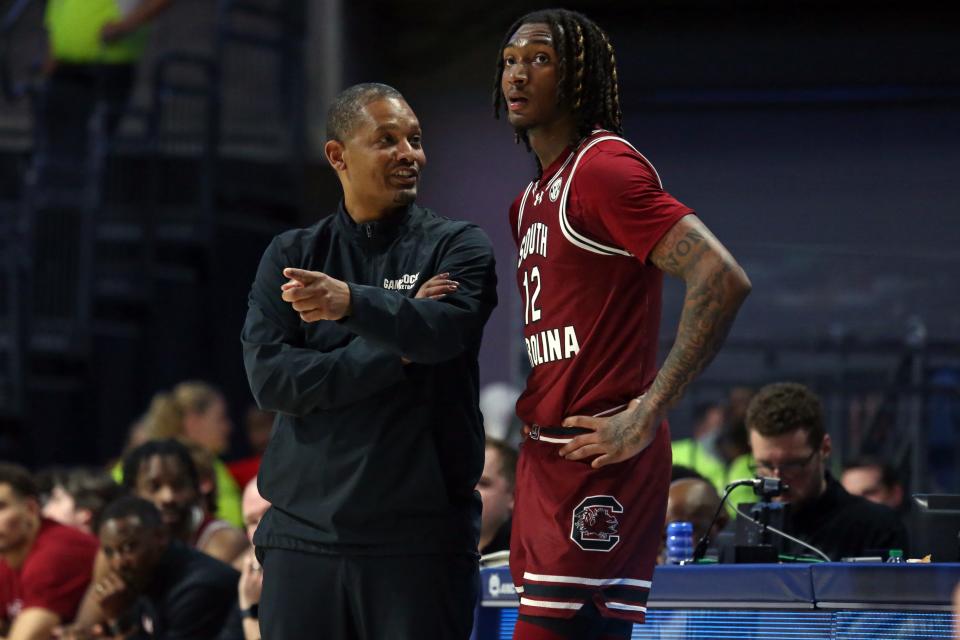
[[437, 287], [615, 438], [316, 296]]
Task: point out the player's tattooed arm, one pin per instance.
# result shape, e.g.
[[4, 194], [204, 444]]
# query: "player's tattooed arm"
[[716, 287]]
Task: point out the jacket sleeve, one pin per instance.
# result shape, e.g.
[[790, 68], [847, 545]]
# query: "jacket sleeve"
[[432, 331], [290, 378]]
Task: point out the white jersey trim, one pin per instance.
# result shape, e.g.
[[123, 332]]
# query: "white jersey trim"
[[549, 183], [593, 582], [572, 235], [523, 203], [533, 187], [547, 604]]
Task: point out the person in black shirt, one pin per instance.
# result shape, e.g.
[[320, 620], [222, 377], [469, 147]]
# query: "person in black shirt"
[[785, 422], [156, 588], [378, 444]]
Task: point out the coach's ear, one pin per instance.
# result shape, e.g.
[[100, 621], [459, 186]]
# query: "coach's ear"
[[334, 152]]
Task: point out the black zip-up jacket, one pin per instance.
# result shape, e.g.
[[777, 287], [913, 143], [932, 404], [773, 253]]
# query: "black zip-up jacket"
[[369, 455]]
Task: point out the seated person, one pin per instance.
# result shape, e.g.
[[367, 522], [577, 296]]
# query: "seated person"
[[77, 496], [243, 622], [45, 566], [787, 436], [693, 500], [496, 492], [875, 480], [164, 472], [156, 587], [196, 412]]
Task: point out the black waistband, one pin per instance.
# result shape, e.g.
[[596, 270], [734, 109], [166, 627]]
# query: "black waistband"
[[558, 432]]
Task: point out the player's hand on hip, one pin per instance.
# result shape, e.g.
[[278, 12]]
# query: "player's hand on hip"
[[315, 295], [437, 287], [615, 438]]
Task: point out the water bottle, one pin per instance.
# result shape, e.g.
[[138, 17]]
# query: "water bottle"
[[679, 542]]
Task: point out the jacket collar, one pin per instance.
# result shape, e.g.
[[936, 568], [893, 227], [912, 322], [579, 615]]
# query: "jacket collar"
[[378, 232]]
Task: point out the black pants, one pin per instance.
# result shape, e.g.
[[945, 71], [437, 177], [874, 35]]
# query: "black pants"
[[313, 596]]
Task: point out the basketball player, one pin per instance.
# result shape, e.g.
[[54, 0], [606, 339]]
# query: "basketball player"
[[595, 232]]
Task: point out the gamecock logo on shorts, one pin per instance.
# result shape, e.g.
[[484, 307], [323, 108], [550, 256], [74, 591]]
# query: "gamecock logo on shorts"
[[595, 524]]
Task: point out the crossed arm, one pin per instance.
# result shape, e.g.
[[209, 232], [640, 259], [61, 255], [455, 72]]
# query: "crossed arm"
[[716, 286], [390, 329]]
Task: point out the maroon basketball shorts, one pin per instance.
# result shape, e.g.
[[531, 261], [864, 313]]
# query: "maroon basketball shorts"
[[587, 535]]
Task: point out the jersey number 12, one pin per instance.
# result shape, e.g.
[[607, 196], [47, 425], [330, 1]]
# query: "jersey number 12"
[[531, 279]]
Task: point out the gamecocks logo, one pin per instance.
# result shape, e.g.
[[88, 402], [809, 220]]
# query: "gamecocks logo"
[[595, 524], [555, 190]]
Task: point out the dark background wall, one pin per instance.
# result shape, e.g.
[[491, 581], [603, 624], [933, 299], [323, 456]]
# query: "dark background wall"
[[819, 140]]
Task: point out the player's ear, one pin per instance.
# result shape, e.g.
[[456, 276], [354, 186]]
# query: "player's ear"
[[334, 149]]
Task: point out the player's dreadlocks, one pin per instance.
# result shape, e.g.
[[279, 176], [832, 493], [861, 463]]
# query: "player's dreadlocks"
[[588, 82]]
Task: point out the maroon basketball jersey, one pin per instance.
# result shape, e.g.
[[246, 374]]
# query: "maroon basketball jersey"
[[591, 299]]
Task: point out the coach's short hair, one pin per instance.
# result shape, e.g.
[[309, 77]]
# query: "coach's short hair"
[[784, 407], [19, 480], [343, 114]]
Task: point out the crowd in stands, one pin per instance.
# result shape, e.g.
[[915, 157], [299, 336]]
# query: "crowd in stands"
[[783, 428], [157, 544]]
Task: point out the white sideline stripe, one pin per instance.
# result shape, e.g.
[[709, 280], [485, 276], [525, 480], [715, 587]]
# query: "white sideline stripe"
[[588, 581], [551, 605], [625, 607]]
